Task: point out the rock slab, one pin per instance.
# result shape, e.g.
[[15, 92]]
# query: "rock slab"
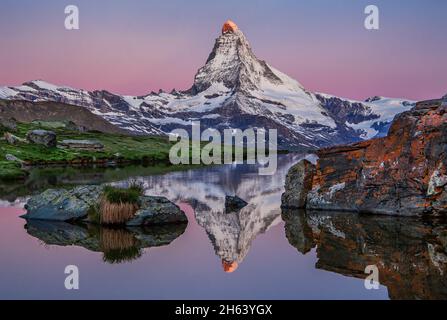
[[63, 205], [157, 210], [86, 145], [404, 173]]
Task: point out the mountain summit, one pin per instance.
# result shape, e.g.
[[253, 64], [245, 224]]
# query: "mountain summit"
[[233, 90], [233, 63]]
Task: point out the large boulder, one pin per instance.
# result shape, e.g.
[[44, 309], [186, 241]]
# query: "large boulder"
[[404, 173], [42, 137], [63, 205], [81, 203], [157, 210], [85, 145], [234, 204], [298, 184]]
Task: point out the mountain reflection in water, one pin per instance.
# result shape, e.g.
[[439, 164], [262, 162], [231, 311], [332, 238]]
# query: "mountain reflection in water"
[[238, 255]]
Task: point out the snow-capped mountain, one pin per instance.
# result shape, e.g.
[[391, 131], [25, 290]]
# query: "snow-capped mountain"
[[234, 89]]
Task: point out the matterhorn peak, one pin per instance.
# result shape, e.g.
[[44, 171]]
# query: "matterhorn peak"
[[233, 64], [229, 26]]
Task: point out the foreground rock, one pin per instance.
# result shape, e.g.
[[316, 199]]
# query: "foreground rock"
[[157, 210], [84, 145], [404, 173], [42, 137], [298, 184], [63, 205], [76, 205], [234, 204]]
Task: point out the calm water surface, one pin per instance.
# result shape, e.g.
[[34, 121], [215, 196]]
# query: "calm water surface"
[[258, 253]]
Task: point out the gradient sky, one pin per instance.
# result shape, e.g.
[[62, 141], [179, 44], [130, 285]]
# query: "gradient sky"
[[135, 46]]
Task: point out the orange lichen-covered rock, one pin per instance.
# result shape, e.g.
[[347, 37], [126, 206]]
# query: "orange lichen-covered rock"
[[404, 173], [229, 26]]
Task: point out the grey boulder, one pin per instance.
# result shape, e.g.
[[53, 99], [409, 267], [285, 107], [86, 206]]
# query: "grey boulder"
[[157, 210], [63, 205], [42, 137]]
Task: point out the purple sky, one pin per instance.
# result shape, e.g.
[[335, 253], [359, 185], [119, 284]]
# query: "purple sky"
[[135, 46]]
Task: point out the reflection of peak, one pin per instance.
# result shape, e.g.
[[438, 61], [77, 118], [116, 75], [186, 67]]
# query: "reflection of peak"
[[229, 267], [232, 234]]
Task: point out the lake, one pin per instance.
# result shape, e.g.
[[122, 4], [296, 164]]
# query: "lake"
[[261, 252]]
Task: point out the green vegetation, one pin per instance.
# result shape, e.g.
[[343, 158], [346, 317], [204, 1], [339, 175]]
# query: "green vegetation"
[[117, 147], [121, 195], [10, 171]]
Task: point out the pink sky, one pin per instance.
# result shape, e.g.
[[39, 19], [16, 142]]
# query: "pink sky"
[[138, 48]]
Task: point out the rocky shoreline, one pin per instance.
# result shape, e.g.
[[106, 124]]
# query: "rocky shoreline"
[[403, 174]]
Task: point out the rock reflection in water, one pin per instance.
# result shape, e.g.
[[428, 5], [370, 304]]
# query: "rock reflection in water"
[[117, 244], [411, 254]]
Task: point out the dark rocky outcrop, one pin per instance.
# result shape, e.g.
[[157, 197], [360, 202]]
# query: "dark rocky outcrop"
[[234, 204], [410, 253], [27, 111], [404, 173], [42, 137]]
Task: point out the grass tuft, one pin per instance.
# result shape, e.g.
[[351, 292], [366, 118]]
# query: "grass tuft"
[[116, 195]]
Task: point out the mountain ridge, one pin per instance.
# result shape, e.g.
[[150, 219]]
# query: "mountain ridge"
[[234, 90]]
